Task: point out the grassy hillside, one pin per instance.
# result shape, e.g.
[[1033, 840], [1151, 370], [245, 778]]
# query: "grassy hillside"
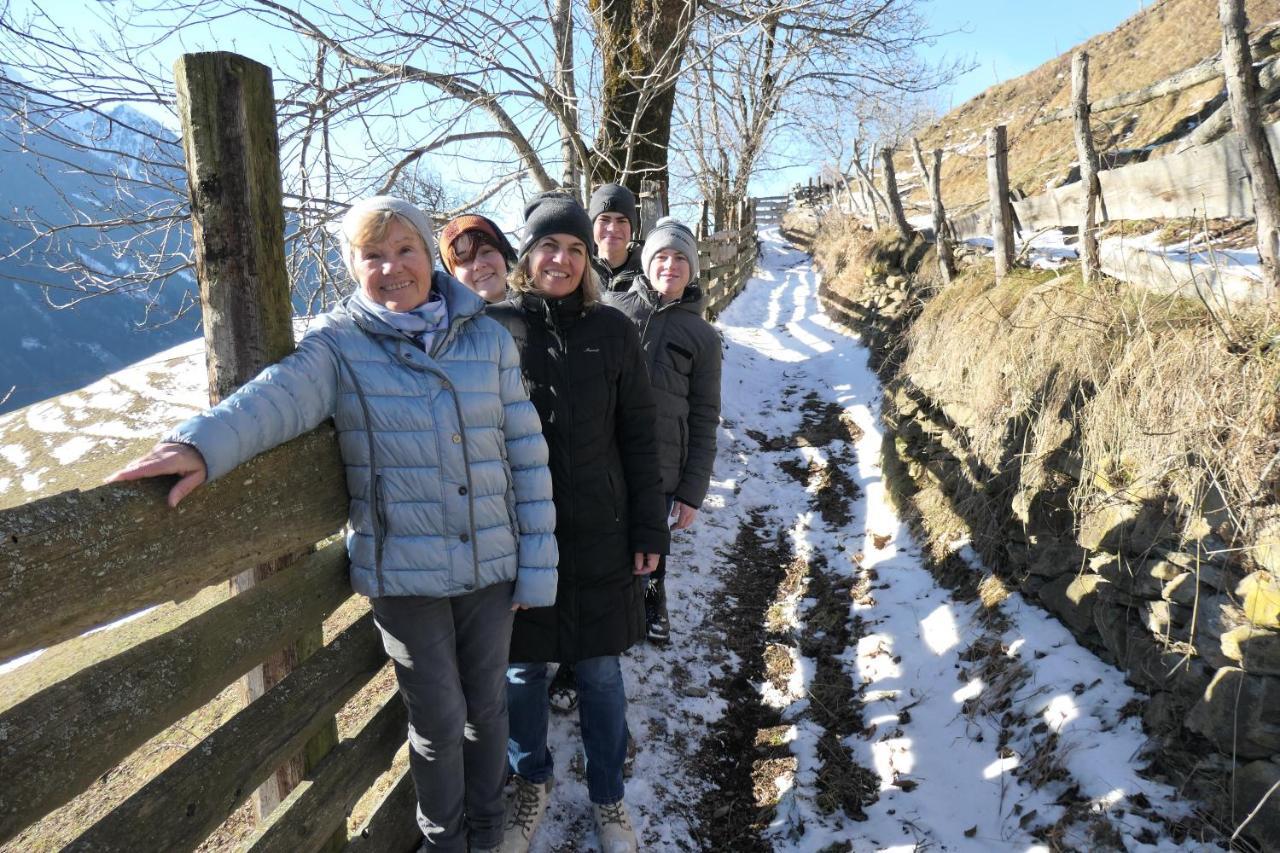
[[1154, 44]]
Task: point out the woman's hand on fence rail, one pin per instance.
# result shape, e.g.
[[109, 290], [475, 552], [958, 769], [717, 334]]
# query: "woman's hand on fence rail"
[[646, 563], [164, 459]]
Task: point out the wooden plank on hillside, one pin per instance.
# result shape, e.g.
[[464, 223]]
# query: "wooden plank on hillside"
[[318, 807], [189, 799], [80, 559], [1211, 182], [62, 738], [392, 827]]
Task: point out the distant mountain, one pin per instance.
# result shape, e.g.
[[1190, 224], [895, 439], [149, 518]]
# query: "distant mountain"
[[46, 350]]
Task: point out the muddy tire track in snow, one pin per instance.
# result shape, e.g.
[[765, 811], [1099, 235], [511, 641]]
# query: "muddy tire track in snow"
[[791, 699]]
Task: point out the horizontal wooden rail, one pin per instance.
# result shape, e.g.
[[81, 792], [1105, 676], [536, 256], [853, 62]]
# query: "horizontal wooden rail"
[[62, 738], [391, 828], [80, 559], [319, 806], [190, 798]]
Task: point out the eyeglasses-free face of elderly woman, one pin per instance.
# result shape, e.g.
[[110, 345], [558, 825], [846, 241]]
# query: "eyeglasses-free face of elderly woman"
[[390, 263]]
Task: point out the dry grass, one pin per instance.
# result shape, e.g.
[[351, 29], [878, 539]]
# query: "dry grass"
[[1148, 47], [1164, 396]]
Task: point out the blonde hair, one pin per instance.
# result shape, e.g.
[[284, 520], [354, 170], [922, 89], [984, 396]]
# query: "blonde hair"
[[372, 227], [521, 281]]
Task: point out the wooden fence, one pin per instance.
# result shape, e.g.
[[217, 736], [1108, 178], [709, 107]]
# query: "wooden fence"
[[771, 209], [83, 555], [727, 258], [1211, 180]]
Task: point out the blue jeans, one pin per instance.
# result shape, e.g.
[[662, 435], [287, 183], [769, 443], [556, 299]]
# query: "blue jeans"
[[602, 711]]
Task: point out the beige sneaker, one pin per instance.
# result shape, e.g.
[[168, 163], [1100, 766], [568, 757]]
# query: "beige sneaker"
[[613, 828], [524, 812]]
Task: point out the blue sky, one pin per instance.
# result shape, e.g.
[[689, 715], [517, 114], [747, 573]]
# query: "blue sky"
[[1003, 38]]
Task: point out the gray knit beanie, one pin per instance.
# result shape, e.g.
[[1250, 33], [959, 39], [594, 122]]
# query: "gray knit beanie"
[[378, 203], [555, 212], [615, 198], [671, 233]]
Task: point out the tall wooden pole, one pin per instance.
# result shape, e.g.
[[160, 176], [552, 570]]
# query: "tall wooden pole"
[[1242, 93], [232, 151], [1087, 154], [891, 194], [998, 192]]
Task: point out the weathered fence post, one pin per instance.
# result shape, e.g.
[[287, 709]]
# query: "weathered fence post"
[[1090, 263], [229, 138], [703, 220], [891, 193], [941, 233], [1242, 85], [1001, 208], [653, 205]]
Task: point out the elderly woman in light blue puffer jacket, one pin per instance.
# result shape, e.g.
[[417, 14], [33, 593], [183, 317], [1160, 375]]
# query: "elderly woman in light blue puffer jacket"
[[451, 518]]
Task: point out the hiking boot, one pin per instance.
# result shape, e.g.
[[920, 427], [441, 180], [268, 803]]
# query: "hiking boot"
[[613, 828], [525, 809], [655, 612], [563, 692]]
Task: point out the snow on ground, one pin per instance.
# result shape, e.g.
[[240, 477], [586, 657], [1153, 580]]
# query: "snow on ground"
[[945, 781]]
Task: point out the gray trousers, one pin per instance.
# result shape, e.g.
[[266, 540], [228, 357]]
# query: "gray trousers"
[[450, 656]]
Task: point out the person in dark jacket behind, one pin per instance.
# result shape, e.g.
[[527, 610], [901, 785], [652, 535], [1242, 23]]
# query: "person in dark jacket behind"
[[682, 351], [451, 514], [587, 378], [615, 222], [474, 250]]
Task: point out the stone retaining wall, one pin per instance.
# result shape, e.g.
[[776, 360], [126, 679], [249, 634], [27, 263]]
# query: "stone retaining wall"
[[1199, 633]]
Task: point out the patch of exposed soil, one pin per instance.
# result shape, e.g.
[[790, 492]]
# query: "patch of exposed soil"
[[734, 756]]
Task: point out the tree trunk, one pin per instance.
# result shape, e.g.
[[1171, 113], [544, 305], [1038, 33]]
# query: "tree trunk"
[[642, 44]]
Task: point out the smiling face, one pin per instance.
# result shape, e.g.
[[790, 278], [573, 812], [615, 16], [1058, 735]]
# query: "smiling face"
[[612, 233], [395, 271], [669, 273], [556, 265], [484, 269]]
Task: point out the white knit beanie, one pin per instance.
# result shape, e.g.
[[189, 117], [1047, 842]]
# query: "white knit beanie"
[[378, 203]]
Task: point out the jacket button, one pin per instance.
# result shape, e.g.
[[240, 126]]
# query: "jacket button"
[[465, 538], [462, 490], [446, 385], [457, 439]]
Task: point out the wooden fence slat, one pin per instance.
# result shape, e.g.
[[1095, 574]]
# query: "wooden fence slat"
[[62, 738], [1211, 181], [392, 827], [82, 558], [319, 806], [189, 799]]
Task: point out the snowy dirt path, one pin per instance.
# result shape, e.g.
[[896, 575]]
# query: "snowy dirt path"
[[823, 692]]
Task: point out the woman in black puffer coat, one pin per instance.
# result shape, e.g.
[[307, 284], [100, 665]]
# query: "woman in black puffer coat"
[[587, 378]]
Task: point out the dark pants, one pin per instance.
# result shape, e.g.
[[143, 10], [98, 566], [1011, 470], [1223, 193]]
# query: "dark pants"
[[450, 656]]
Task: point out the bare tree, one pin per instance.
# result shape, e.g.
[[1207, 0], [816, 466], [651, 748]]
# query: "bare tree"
[[764, 72]]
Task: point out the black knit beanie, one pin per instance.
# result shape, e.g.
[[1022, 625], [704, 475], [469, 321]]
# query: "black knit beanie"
[[615, 198], [555, 212]]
